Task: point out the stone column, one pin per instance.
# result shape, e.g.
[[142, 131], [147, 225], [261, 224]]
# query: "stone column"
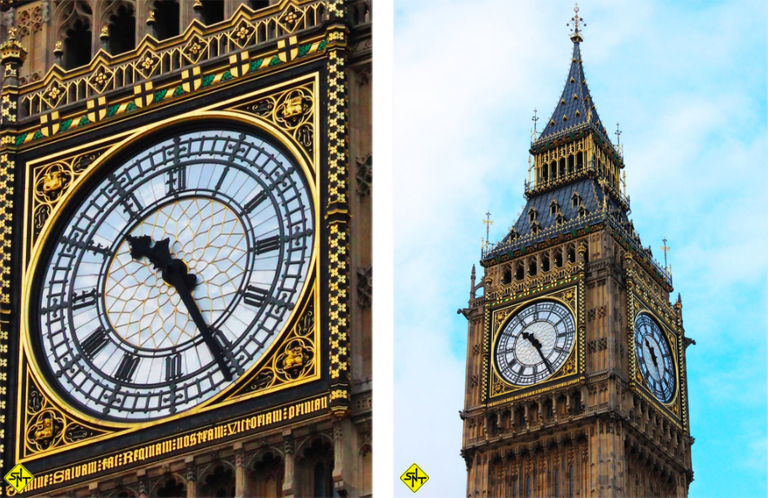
[[289, 448], [191, 477], [141, 475], [239, 470]]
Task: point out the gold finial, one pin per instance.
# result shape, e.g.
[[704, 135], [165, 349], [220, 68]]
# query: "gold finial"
[[151, 18], [487, 222], [197, 5], [104, 32], [666, 249], [12, 34], [58, 48], [575, 20]]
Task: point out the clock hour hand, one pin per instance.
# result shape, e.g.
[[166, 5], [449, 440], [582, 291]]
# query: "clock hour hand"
[[653, 357], [159, 254], [175, 273], [536, 344]]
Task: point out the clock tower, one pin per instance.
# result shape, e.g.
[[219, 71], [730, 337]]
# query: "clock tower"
[[576, 373], [185, 269]]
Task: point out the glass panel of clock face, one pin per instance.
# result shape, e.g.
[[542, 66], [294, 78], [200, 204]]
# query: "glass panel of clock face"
[[654, 358], [535, 343], [175, 274]]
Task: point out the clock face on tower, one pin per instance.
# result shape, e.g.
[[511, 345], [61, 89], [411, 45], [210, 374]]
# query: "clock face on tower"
[[174, 274], [654, 358], [535, 343]]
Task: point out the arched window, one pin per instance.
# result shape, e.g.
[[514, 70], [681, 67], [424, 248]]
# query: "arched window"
[[212, 11], [544, 262], [532, 267], [266, 478], [171, 488], [557, 483], [575, 199], [75, 26], [570, 483], [554, 208], [519, 272], [544, 173], [579, 161], [220, 483], [558, 258], [571, 254], [570, 164], [507, 278], [122, 30], [562, 168], [532, 215], [315, 469], [166, 19]]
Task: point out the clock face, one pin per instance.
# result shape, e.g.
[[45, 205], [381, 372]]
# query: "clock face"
[[535, 343], [174, 275], [654, 358]]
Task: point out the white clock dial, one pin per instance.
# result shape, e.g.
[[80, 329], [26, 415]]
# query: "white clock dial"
[[174, 274], [535, 343]]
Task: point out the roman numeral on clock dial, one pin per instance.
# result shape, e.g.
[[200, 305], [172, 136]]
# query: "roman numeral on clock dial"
[[267, 245], [85, 299], [95, 342], [127, 368], [255, 202], [255, 296]]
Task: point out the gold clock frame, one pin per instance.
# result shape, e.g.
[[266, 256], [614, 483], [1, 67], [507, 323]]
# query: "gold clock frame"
[[674, 410], [231, 110], [570, 294]]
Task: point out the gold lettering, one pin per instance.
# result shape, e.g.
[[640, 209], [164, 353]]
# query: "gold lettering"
[[67, 474], [76, 472], [127, 457], [58, 477], [210, 434], [291, 412], [254, 422]]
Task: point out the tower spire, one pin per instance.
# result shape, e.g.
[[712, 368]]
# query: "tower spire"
[[575, 110]]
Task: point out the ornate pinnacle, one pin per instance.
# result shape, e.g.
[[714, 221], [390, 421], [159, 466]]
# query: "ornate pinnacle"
[[11, 51], [575, 20], [104, 32]]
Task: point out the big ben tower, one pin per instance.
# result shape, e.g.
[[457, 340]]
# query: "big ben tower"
[[576, 373]]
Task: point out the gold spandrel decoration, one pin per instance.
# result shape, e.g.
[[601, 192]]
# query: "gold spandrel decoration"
[[293, 361], [101, 77], [53, 181], [292, 111], [46, 426], [243, 33], [290, 19]]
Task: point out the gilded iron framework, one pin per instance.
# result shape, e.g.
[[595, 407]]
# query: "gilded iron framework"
[[567, 290], [48, 425], [642, 299]]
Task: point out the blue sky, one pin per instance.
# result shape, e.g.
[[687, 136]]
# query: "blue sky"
[[687, 82]]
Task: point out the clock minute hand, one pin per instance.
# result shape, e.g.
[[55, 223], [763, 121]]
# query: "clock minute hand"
[[175, 273]]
